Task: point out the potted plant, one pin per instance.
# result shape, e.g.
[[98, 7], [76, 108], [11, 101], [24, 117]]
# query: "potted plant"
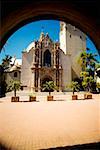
[[87, 85], [49, 86], [14, 85], [32, 97], [75, 87]]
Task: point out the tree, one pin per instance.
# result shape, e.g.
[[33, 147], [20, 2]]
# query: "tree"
[[6, 61], [97, 66], [2, 82], [88, 64], [97, 72], [87, 83], [83, 60], [98, 87], [14, 85], [91, 63], [5, 65], [49, 85], [74, 86]]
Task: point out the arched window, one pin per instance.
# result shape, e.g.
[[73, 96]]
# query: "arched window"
[[15, 74], [47, 58]]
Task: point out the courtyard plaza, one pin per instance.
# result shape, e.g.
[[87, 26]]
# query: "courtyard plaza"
[[48, 124]]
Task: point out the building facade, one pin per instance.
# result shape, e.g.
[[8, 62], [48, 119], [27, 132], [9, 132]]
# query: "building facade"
[[46, 60], [13, 72]]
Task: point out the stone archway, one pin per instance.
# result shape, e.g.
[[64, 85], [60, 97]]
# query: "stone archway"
[[59, 10]]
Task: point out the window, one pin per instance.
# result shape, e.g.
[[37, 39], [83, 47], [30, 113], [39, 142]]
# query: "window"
[[15, 74], [80, 37], [47, 58]]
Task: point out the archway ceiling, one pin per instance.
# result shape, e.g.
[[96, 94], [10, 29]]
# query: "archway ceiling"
[[84, 14]]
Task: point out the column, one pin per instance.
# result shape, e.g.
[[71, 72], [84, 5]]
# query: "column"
[[60, 80], [33, 73], [32, 81], [40, 58], [39, 86], [54, 65], [33, 58]]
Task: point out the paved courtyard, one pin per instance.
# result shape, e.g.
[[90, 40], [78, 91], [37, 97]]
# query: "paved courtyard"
[[44, 124]]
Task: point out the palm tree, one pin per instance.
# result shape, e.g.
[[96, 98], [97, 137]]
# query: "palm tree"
[[6, 61], [74, 86], [91, 58], [87, 61], [87, 83], [91, 63], [14, 85], [97, 65], [83, 60], [49, 85]]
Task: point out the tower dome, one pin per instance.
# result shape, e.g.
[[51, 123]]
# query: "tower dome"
[[30, 46]]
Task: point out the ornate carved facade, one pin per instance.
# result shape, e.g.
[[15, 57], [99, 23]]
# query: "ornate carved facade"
[[45, 65]]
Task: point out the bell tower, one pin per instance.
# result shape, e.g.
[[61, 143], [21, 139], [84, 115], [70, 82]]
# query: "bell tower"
[[72, 43], [63, 36]]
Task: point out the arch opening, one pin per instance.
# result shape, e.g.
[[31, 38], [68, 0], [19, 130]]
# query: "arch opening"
[[47, 58]]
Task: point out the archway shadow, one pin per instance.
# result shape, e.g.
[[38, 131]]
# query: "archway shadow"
[[90, 146], [4, 146]]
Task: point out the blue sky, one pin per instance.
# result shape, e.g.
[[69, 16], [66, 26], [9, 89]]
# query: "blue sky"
[[30, 32]]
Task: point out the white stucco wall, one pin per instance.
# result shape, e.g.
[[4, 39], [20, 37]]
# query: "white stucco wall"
[[72, 42], [26, 73]]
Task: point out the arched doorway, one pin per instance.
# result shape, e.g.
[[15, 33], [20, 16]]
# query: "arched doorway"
[[47, 58], [44, 80]]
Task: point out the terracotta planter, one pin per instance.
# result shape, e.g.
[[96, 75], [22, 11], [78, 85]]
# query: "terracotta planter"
[[15, 99], [32, 98], [50, 98], [87, 96], [74, 97]]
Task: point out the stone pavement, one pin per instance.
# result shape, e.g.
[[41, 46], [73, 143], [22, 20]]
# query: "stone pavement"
[[43, 124]]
